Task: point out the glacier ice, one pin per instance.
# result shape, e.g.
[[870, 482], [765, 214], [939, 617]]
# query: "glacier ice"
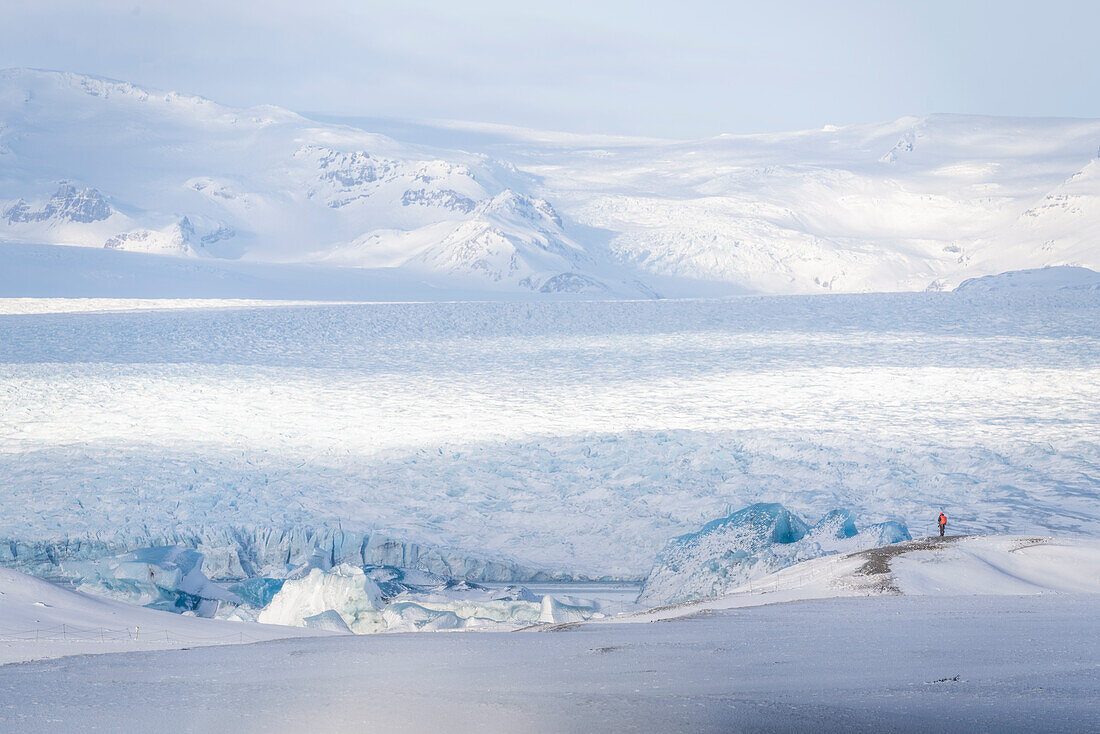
[[570, 609], [257, 592], [329, 620], [663, 414], [240, 552], [387, 599], [346, 590], [753, 542], [169, 578], [407, 616]]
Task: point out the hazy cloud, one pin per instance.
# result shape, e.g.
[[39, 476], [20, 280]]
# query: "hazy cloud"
[[688, 68]]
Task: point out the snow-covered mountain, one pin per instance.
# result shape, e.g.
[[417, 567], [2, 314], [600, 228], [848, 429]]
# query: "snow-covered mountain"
[[921, 202], [94, 162]]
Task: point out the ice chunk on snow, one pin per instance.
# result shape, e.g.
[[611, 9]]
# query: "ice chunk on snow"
[[760, 539], [554, 611], [494, 610], [1056, 277], [327, 620], [836, 524], [345, 589], [406, 616], [884, 533], [514, 605]]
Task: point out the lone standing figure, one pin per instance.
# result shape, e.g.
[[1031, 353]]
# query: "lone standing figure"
[[943, 523]]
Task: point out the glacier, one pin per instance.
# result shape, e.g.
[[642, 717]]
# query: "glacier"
[[758, 540], [276, 437]]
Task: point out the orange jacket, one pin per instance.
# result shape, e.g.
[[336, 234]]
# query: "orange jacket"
[[943, 519]]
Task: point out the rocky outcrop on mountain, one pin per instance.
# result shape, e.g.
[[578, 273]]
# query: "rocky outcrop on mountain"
[[68, 204], [345, 177], [515, 238], [173, 240], [444, 198]]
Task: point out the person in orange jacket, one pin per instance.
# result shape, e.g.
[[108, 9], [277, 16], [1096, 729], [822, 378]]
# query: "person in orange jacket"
[[943, 523]]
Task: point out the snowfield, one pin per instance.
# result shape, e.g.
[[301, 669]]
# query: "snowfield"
[[979, 565], [518, 438], [952, 634], [904, 664], [40, 620]]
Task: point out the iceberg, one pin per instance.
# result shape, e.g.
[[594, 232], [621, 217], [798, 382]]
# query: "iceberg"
[[345, 590], [389, 599], [569, 609], [753, 542], [407, 616], [329, 620], [514, 605]]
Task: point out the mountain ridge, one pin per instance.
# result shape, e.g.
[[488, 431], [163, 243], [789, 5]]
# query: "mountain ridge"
[[922, 202]]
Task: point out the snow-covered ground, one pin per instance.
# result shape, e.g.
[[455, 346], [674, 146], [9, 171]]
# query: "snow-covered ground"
[[42, 620], [981, 565], [576, 437], [951, 634], [12, 306], [905, 664]]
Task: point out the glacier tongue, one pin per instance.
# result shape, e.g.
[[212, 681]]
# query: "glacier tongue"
[[753, 542]]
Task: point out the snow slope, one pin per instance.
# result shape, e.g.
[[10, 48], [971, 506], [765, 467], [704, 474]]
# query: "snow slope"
[[1052, 278], [920, 202], [52, 271], [898, 664], [101, 163], [497, 440], [728, 552], [41, 620], [979, 565]]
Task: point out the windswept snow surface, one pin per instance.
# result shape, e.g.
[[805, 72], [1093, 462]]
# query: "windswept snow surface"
[[575, 437], [1001, 565], [1018, 665], [980, 565], [1052, 278], [41, 620]]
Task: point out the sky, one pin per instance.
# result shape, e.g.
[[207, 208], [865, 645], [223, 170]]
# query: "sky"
[[685, 69]]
